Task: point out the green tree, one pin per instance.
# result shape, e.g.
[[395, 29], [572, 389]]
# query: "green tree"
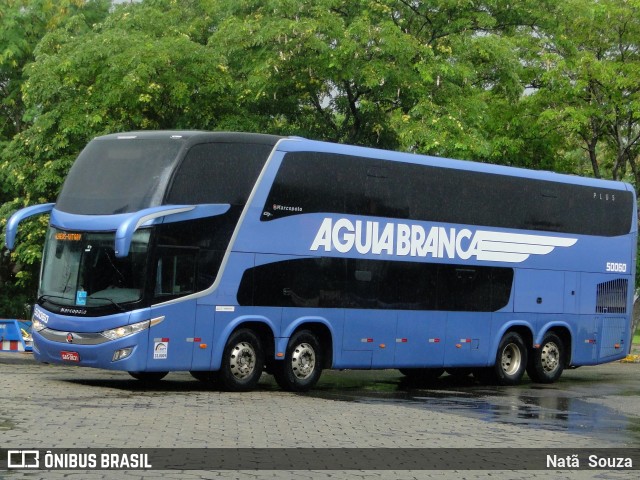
[[432, 77], [328, 69], [23, 23], [590, 83], [471, 96]]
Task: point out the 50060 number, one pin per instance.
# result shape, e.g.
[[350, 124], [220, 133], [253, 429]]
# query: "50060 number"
[[616, 267]]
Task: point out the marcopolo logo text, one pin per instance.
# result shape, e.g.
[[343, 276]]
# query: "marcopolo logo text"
[[402, 239]]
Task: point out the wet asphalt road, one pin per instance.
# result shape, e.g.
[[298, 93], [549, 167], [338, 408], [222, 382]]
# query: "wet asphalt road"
[[599, 402]]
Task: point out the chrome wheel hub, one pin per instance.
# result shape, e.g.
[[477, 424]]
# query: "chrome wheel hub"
[[550, 357], [303, 361], [511, 359], [243, 360]]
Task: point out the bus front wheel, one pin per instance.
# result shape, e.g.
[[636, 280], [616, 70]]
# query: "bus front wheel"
[[302, 364], [242, 361], [510, 362], [547, 362]]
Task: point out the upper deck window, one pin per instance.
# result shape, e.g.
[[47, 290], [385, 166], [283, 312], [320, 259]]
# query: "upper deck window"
[[218, 173], [314, 182], [125, 174], [119, 176]]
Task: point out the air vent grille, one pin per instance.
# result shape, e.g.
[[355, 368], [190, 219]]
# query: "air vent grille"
[[612, 296]]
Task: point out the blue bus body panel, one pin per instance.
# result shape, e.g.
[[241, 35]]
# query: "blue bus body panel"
[[420, 339], [324, 234], [173, 337], [86, 223]]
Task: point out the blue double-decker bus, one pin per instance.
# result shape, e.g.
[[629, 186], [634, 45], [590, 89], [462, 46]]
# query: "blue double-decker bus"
[[231, 254]]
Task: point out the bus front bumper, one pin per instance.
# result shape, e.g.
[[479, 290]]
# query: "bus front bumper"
[[91, 350]]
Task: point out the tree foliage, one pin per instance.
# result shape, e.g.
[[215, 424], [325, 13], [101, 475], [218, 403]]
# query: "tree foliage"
[[23, 24], [534, 83], [589, 83]]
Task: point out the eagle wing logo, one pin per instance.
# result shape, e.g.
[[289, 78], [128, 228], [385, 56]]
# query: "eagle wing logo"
[[516, 247]]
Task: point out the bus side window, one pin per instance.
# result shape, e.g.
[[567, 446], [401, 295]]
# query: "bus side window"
[[175, 271]]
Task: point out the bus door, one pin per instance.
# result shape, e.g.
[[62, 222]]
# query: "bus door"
[[470, 295], [172, 339], [420, 339], [369, 320], [412, 289]]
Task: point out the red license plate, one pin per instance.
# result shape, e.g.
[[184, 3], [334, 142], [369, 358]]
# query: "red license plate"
[[70, 356]]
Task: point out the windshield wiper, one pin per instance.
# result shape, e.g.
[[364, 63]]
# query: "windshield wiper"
[[117, 305], [47, 297]]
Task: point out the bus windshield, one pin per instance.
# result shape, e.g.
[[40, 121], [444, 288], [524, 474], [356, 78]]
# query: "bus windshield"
[[114, 176], [81, 269]]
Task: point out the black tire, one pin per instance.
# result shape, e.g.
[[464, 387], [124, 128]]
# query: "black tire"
[[459, 372], [302, 365], [510, 362], [149, 376], [242, 362], [485, 375], [547, 362], [424, 374], [204, 376]]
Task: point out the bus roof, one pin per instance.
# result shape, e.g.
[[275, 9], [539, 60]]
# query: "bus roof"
[[196, 136]]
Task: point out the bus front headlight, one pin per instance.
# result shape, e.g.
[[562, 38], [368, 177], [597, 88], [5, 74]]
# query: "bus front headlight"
[[126, 330]]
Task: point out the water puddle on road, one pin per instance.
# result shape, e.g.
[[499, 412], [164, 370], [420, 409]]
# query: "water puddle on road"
[[531, 406]]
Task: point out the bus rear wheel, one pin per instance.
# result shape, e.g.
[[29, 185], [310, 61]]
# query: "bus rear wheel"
[[547, 362], [149, 376], [302, 364], [510, 362], [242, 361]]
